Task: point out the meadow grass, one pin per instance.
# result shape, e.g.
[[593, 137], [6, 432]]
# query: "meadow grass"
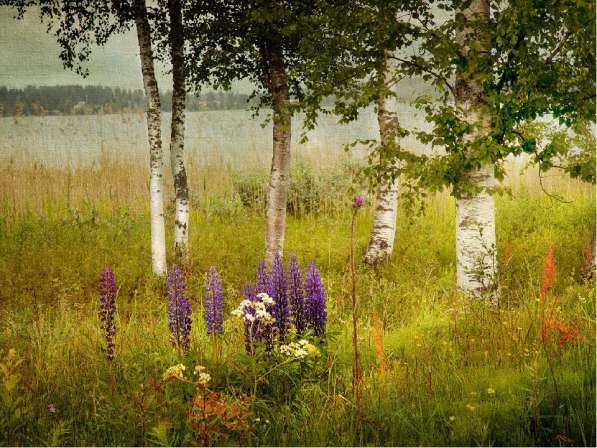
[[438, 369]]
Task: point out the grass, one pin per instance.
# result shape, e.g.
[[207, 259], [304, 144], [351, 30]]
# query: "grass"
[[454, 372]]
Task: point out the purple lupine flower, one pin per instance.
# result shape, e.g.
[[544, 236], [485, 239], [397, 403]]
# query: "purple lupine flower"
[[214, 307], [315, 301], [296, 295], [263, 283], [278, 293], [179, 310], [107, 310], [251, 328]]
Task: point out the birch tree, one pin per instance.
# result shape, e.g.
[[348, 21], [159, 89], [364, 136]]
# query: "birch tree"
[[260, 41], [476, 261], [359, 70], [81, 26], [497, 67], [383, 233], [179, 174], [154, 124]]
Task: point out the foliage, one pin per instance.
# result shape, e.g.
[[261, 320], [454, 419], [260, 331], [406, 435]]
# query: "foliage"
[[530, 60]]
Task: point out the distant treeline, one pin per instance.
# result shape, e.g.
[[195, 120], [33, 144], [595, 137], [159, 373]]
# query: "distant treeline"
[[77, 100]]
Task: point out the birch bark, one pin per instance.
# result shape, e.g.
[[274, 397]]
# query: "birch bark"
[[476, 265], [383, 233], [179, 174], [280, 168], [156, 180]]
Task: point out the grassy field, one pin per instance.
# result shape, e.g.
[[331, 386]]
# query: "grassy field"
[[438, 369]]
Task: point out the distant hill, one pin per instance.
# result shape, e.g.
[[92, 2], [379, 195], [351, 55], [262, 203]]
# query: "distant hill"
[[86, 100]]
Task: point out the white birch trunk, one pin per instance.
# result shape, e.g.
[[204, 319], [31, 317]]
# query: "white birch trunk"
[[179, 174], [156, 180], [383, 233], [476, 263], [280, 170]]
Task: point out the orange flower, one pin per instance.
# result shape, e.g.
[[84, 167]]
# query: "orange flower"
[[549, 274]]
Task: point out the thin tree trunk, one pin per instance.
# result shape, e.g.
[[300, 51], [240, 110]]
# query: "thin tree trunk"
[[280, 169], [383, 233], [476, 265], [158, 237], [179, 174]]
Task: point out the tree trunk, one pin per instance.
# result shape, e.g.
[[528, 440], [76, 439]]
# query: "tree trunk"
[[179, 174], [280, 170], [476, 265], [383, 233], [158, 238]]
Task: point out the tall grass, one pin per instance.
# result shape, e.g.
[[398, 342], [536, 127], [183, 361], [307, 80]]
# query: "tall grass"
[[437, 369]]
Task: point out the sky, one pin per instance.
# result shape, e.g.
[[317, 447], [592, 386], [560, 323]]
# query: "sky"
[[30, 56]]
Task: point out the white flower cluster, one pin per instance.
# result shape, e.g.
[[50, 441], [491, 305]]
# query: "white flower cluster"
[[174, 372], [296, 350], [261, 314], [177, 372], [203, 377]]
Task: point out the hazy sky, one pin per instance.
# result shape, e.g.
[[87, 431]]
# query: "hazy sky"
[[30, 56]]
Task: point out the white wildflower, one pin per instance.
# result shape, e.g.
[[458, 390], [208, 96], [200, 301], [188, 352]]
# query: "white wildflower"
[[174, 372], [204, 378]]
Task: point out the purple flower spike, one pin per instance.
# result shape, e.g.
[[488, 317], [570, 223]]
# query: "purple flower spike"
[[315, 301], [296, 295], [179, 310], [359, 201], [107, 310], [214, 307], [278, 293], [263, 283]]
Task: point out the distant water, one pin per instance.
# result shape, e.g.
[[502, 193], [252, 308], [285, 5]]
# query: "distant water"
[[233, 137]]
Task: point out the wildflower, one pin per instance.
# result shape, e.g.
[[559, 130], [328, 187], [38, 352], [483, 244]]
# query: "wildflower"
[[51, 408], [265, 299], [263, 288], [198, 369], [358, 201], [179, 310], [470, 407], [312, 350], [107, 305], [549, 274], [258, 321], [278, 293], [263, 284], [294, 350], [315, 301], [451, 418], [174, 372], [296, 295], [490, 391], [214, 308], [203, 378], [248, 311]]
